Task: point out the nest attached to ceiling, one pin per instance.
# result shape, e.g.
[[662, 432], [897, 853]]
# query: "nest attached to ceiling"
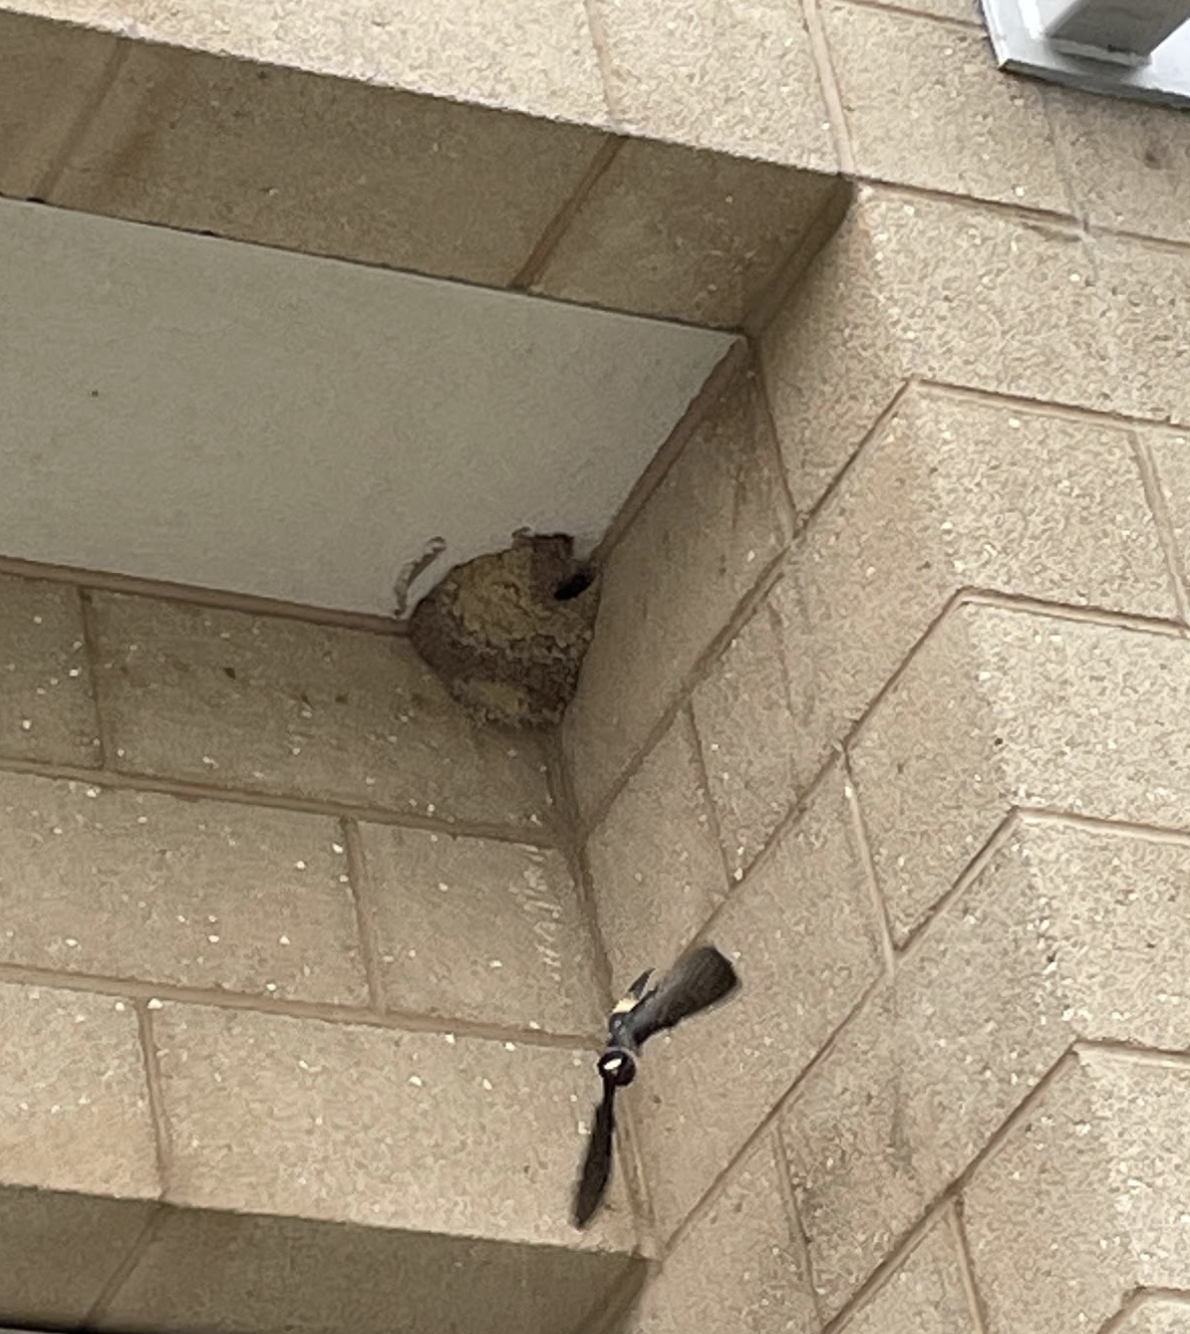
[[507, 632]]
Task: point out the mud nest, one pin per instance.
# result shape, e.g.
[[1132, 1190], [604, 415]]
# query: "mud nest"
[[507, 632]]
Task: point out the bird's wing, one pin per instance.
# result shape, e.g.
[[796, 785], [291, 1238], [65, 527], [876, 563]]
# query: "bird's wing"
[[702, 979], [597, 1165]]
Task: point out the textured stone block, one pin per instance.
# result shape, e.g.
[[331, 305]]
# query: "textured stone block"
[[740, 1266], [469, 928], [937, 289], [1003, 708], [1170, 455], [60, 1252], [741, 80], [320, 1278], [698, 545], [48, 75], [802, 929], [952, 492], [1086, 1198], [536, 57], [269, 705], [74, 1104], [656, 868], [322, 166], [46, 709], [749, 737], [1066, 934], [1157, 1314], [1129, 161], [198, 894], [925, 1294], [346, 1123], [961, 126], [680, 232], [1146, 308]]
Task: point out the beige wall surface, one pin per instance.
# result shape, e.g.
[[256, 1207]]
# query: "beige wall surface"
[[887, 698]]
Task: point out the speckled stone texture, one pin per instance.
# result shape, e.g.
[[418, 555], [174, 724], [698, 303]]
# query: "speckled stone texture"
[[507, 632]]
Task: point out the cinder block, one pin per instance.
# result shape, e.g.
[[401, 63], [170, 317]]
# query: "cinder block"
[[268, 705], [703, 539], [1085, 1200]]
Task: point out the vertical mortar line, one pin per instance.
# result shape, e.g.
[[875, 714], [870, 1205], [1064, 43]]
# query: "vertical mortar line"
[[864, 844], [829, 83], [760, 384], [1066, 172], [708, 801], [91, 657], [545, 245], [566, 804], [120, 1275], [361, 895], [954, 1220], [161, 1132], [1162, 520], [603, 54], [801, 1237], [48, 182]]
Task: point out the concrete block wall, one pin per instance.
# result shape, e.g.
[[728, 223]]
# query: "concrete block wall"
[[295, 983], [886, 700]]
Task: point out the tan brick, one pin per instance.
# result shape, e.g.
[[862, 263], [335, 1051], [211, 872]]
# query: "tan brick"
[[74, 1105], [61, 1250], [473, 929], [312, 1278], [200, 894], [803, 929], [270, 705], [923, 1295], [1155, 1314], [1068, 933], [1086, 1198], [1002, 708], [48, 75], [683, 233], [749, 738], [46, 709], [740, 80], [322, 166], [942, 290], [345, 1123], [1147, 308], [536, 57], [740, 1266], [960, 125], [955, 492], [671, 584], [1129, 161], [656, 868]]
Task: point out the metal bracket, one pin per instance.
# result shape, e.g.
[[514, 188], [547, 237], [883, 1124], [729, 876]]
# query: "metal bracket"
[[1136, 49]]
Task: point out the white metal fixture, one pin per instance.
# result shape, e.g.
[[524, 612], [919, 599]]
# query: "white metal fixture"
[[1137, 49]]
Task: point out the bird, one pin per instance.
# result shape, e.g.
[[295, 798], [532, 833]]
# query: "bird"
[[700, 979]]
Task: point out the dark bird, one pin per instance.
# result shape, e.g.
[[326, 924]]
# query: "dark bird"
[[697, 981]]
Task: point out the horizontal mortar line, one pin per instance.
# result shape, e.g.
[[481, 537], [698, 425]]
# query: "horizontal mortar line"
[[733, 362], [972, 24], [538, 836], [1043, 816], [1167, 244], [978, 863], [1105, 418], [905, 1245], [1135, 1053], [747, 605], [102, 581], [137, 989], [1030, 215], [769, 1121], [1085, 614]]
